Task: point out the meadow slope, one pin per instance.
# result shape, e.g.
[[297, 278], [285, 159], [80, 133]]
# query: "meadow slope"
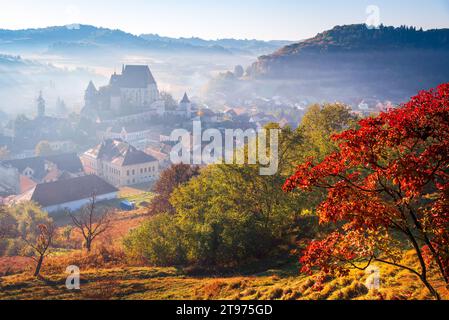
[[146, 283]]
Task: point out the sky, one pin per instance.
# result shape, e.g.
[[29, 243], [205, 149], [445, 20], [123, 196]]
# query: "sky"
[[212, 19]]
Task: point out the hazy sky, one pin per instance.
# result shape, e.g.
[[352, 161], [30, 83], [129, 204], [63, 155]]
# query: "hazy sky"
[[211, 19]]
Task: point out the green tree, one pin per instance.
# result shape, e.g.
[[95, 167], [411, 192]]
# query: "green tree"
[[319, 123], [19, 225], [229, 215], [8, 224], [157, 242]]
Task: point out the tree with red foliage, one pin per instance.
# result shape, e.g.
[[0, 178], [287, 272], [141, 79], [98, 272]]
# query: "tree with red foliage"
[[387, 184]]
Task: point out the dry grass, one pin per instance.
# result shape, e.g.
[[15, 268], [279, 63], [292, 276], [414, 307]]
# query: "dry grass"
[[106, 274], [170, 283], [14, 265]]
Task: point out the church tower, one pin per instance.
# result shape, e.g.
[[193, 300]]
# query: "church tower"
[[40, 106], [186, 106], [90, 96], [90, 101]]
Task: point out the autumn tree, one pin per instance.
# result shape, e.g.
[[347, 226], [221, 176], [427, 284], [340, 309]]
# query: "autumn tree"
[[43, 148], [41, 244], [169, 180], [388, 181], [91, 222], [20, 222]]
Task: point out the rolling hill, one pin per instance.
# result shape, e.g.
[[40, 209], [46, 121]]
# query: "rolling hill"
[[354, 61], [348, 64]]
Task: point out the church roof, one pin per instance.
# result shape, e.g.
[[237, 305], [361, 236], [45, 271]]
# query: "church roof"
[[185, 99], [133, 76]]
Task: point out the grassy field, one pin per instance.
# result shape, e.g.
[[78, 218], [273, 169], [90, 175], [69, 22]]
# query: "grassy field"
[[286, 283], [106, 274]]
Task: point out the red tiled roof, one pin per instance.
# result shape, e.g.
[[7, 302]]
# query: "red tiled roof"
[[26, 184]]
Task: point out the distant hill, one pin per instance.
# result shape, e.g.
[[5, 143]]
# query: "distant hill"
[[234, 45], [352, 62], [77, 39], [86, 39], [359, 37]]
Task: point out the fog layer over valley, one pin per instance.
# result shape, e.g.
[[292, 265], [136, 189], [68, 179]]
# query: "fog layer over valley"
[[61, 61], [350, 64]]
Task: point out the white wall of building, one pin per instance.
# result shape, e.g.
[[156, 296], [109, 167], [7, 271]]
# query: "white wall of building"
[[78, 204]]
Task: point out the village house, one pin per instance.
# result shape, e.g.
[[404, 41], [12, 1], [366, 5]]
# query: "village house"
[[70, 194], [138, 134], [120, 163], [21, 175]]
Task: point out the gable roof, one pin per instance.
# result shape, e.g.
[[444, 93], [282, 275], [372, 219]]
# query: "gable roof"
[[65, 162], [69, 162], [158, 154], [64, 191], [236, 111], [26, 184], [120, 153], [37, 164]]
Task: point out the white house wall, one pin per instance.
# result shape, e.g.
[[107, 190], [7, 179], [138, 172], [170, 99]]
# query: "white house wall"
[[76, 205]]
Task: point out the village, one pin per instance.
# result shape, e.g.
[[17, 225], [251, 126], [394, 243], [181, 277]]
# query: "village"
[[125, 128]]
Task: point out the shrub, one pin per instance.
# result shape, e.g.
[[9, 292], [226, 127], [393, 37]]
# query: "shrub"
[[157, 242]]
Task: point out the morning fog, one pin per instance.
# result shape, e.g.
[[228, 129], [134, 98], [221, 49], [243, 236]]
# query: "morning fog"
[[230, 146]]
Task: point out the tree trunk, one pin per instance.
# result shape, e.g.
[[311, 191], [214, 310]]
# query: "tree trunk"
[[88, 245], [431, 289], [39, 266]]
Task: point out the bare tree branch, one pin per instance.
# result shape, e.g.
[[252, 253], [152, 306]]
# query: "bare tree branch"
[[91, 222]]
